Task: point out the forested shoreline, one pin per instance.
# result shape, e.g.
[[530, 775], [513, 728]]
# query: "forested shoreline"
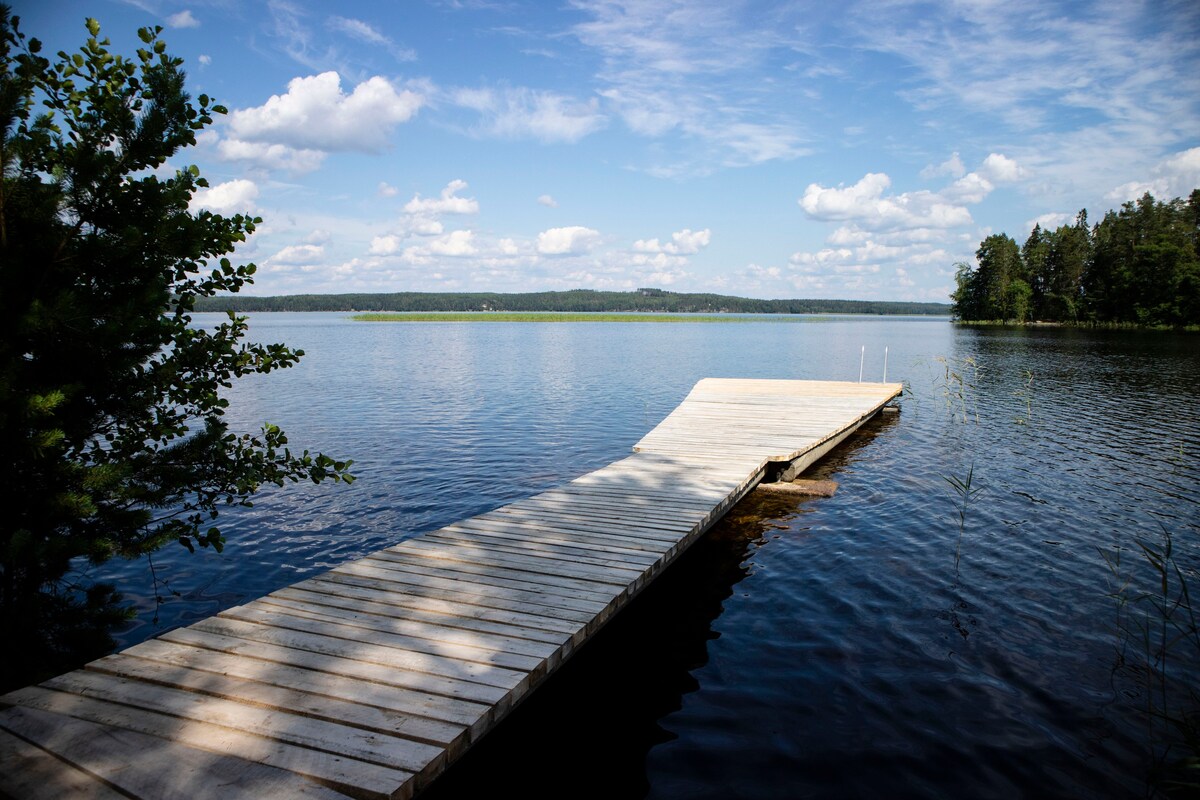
[[1138, 266], [577, 300]]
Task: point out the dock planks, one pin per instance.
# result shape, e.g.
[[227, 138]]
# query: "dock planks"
[[368, 680]]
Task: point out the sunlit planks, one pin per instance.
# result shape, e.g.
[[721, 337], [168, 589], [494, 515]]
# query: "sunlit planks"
[[368, 680]]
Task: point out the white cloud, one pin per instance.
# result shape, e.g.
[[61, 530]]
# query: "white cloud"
[[231, 197], [658, 260], [975, 186], [548, 201], [386, 190], [865, 204], [827, 257], [663, 277], [507, 247], [1001, 169], [759, 271], [296, 255], [455, 243], [358, 29], [1051, 221], [952, 166], [970, 188], [365, 32], [316, 114], [204, 59], [518, 113], [270, 156], [422, 226], [684, 242], [1174, 177], [1090, 96], [694, 73], [385, 245], [448, 203], [852, 235], [318, 236], [689, 241], [571, 240], [183, 19]]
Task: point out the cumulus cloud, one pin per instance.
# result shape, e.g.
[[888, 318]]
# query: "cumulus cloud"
[[421, 226], [386, 190], [826, 257], [659, 261], [205, 59], [297, 255], [970, 188], [183, 19], [1051, 221], [270, 156], [572, 240], [316, 114], [684, 242], [1173, 177], [231, 197], [385, 245], [1001, 169], [548, 201], [519, 113], [952, 166], [318, 236], [663, 277], [864, 203], [455, 243], [448, 203]]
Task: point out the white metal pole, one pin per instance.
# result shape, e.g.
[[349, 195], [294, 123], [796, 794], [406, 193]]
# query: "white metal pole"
[[861, 358], [885, 365]]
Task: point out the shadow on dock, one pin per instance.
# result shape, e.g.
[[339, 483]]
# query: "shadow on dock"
[[598, 717]]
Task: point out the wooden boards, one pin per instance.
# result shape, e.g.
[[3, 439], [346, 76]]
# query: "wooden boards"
[[368, 680]]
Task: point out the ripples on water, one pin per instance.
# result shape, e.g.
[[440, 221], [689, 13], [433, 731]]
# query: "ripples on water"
[[827, 648]]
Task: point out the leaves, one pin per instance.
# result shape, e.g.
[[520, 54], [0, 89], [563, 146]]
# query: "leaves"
[[111, 399]]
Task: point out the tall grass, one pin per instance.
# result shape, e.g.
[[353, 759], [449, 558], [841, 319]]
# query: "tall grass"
[[1157, 648]]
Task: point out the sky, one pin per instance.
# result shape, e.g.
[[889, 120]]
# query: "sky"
[[850, 150]]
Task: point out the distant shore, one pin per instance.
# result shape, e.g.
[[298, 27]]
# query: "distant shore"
[[642, 301], [578, 316]]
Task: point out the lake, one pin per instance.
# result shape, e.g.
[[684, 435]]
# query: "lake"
[[887, 641]]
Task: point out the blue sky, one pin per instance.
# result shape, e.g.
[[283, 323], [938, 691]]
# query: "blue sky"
[[837, 150]]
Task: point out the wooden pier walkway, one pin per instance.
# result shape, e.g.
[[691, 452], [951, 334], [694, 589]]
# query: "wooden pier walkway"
[[368, 680]]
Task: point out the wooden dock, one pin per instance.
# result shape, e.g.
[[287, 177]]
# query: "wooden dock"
[[368, 680]]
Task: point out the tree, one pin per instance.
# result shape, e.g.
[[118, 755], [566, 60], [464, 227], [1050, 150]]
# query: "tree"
[[1145, 268], [1003, 291], [1035, 255], [112, 440], [967, 296], [1070, 252]]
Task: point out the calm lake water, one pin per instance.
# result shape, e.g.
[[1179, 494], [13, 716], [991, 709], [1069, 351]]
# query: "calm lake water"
[[863, 645]]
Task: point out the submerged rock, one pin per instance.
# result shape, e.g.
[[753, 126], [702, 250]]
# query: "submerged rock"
[[802, 486]]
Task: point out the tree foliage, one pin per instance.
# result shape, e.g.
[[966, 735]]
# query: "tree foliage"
[[111, 431], [1139, 265]]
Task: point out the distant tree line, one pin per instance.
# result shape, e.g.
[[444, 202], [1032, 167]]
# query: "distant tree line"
[[1139, 265], [657, 300]]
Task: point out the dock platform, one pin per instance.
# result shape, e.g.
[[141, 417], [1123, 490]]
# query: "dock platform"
[[367, 681]]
